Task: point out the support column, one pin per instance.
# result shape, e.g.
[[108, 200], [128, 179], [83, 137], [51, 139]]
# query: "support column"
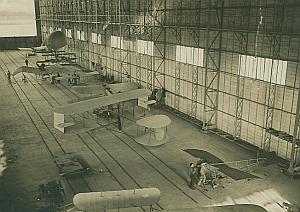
[[295, 136], [275, 40], [38, 22], [212, 64], [242, 37], [178, 64]]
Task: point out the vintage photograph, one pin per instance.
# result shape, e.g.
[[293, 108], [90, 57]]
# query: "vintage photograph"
[[149, 105]]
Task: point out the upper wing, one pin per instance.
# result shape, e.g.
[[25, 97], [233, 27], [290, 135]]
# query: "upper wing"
[[92, 89], [91, 104], [25, 69], [87, 74], [122, 87], [56, 68], [25, 49], [40, 48]]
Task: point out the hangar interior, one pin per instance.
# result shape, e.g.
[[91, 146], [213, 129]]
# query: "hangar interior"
[[229, 72], [229, 65]]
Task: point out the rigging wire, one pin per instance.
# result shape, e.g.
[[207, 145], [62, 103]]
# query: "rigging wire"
[[258, 29]]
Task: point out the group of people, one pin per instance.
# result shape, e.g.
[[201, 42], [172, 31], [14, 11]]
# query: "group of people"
[[201, 172], [54, 78], [74, 80], [24, 79]]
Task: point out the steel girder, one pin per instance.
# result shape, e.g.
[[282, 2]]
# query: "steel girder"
[[242, 37], [275, 40], [178, 64], [195, 34], [212, 65], [138, 68]]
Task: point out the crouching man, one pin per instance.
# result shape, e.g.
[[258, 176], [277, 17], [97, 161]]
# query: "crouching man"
[[208, 173]]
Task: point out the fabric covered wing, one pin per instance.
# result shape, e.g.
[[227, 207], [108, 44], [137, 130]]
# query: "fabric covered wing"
[[25, 49], [92, 89], [56, 68], [25, 69]]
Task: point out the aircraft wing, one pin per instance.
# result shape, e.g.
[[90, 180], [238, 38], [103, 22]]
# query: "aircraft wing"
[[91, 104], [122, 87], [40, 48], [53, 69], [64, 78], [36, 49], [92, 89], [26, 49], [223, 208], [25, 69], [88, 74], [235, 174]]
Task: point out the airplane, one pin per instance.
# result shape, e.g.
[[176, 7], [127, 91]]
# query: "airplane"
[[109, 89], [51, 44], [213, 160], [41, 70], [84, 106]]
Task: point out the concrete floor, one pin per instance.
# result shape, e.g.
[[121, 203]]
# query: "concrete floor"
[[31, 142]]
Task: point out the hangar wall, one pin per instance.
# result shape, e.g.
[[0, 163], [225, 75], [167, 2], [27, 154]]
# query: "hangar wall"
[[217, 92]]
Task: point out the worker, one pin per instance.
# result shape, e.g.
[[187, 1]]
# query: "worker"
[[208, 173], [9, 76], [51, 79], [78, 78], [193, 175], [24, 79], [42, 68], [58, 75], [119, 118], [26, 61], [198, 164], [69, 80], [200, 161], [74, 79]]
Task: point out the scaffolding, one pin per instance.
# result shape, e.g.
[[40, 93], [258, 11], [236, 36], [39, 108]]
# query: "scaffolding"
[[220, 93]]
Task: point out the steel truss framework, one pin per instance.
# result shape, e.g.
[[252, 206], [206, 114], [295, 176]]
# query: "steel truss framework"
[[275, 40], [242, 38], [212, 65], [208, 24], [178, 64]]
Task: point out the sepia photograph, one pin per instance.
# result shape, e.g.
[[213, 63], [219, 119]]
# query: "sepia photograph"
[[149, 105]]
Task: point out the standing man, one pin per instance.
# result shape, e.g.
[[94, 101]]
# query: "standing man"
[[57, 80], [74, 79], [119, 118], [193, 176], [24, 79], [51, 79], [9, 76], [26, 62], [69, 80]]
